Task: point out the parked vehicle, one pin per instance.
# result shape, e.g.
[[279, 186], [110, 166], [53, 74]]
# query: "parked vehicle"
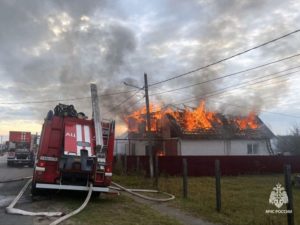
[[19, 149]]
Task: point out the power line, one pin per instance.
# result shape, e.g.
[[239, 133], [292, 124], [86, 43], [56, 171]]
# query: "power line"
[[62, 100], [116, 93], [124, 92], [132, 105], [225, 59], [171, 78], [282, 114], [239, 106], [246, 82], [123, 101], [137, 102], [280, 81], [217, 92], [261, 85], [258, 82], [43, 101], [236, 86], [220, 91], [228, 75]]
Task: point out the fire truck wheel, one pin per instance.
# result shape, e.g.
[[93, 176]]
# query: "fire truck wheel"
[[10, 164], [34, 190], [95, 195], [39, 192]]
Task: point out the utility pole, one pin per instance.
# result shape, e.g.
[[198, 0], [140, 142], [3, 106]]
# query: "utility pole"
[[148, 126]]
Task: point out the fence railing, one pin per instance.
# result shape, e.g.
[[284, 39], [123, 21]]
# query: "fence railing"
[[205, 165]]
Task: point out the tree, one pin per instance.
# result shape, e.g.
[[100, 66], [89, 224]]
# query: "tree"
[[290, 143]]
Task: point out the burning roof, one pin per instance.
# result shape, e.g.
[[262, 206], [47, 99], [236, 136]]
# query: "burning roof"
[[198, 123]]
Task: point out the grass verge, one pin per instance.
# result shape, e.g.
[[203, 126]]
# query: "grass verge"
[[115, 210], [244, 198]]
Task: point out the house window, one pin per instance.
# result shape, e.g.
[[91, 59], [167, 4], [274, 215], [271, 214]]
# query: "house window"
[[252, 149]]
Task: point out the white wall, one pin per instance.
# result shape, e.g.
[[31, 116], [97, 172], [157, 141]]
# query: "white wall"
[[220, 147], [239, 147], [202, 147], [122, 147], [140, 147]]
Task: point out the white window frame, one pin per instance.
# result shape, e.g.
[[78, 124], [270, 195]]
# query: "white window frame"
[[252, 148]]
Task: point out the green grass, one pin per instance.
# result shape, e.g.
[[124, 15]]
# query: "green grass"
[[114, 210], [244, 198]]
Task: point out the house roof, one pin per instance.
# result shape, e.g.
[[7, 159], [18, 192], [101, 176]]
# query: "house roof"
[[223, 127]]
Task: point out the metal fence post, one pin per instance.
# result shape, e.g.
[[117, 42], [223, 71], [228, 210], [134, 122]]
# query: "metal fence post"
[[185, 178], [288, 188], [218, 185], [125, 164], [137, 164], [156, 172]]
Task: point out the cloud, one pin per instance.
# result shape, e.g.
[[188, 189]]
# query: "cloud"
[[54, 49], [64, 53]]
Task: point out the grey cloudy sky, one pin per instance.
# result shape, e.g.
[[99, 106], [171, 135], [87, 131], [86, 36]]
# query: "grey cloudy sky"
[[54, 49]]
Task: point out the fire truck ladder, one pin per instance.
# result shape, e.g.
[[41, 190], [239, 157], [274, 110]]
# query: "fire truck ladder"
[[101, 154], [101, 133], [106, 130]]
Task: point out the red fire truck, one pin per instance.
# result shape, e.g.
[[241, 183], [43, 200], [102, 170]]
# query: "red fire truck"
[[74, 151], [19, 149]]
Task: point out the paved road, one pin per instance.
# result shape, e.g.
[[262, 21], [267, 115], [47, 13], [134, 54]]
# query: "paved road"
[[9, 190]]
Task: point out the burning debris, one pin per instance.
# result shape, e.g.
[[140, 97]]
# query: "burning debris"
[[190, 120], [137, 120], [171, 126], [249, 122]]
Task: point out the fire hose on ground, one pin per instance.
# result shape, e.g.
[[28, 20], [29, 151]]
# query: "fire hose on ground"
[[14, 180], [134, 192], [58, 221], [10, 209]]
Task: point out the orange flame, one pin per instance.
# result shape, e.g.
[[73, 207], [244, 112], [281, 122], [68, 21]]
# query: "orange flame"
[[247, 122], [160, 153], [189, 119], [137, 120], [194, 119]]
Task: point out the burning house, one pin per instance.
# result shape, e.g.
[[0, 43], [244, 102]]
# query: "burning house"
[[197, 132]]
